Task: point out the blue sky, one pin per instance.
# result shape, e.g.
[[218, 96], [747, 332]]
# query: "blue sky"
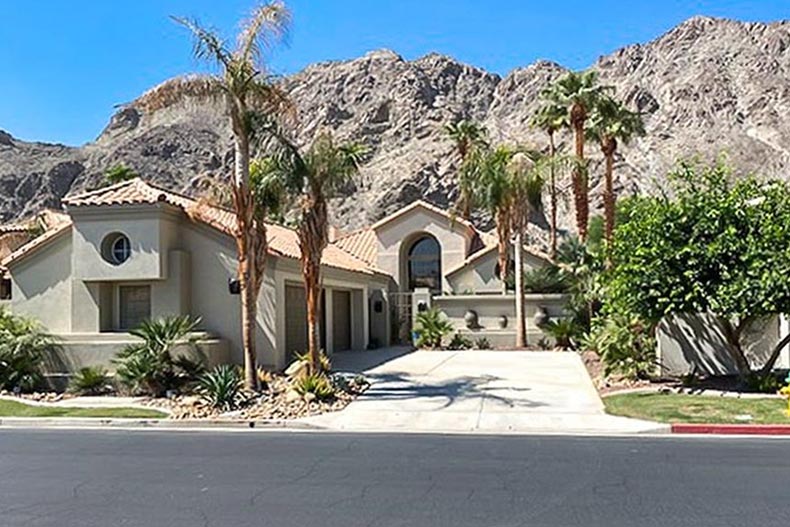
[[66, 64]]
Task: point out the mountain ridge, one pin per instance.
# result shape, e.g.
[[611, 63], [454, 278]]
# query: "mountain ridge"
[[706, 86]]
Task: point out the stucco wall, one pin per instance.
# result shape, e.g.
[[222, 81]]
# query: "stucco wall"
[[41, 285], [479, 275], [395, 238], [695, 342], [490, 308]]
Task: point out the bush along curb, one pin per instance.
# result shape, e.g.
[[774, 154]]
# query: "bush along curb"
[[160, 424], [771, 430]]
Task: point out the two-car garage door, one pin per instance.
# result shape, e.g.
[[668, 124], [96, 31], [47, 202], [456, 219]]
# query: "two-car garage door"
[[296, 320]]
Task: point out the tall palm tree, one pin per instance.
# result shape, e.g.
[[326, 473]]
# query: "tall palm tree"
[[312, 178], [526, 188], [242, 82], [577, 92], [467, 135], [551, 118], [612, 124]]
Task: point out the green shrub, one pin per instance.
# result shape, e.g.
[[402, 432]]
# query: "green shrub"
[[459, 342], [317, 384], [23, 348], [565, 332], [482, 344], [625, 344], [770, 383], [91, 380], [546, 280], [431, 328], [323, 360], [221, 387], [148, 368]]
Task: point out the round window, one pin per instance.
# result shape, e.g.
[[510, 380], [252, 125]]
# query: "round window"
[[116, 248]]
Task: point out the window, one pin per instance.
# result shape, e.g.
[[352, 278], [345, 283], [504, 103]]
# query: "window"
[[425, 264], [134, 305], [5, 289], [116, 248]]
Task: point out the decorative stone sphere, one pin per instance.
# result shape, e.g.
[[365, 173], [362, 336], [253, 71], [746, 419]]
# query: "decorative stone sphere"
[[541, 317], [470, 318], [503, 322]]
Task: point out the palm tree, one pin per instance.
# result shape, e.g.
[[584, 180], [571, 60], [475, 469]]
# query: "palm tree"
[[611, 124], [489, 179], [577, 92], [526, 188], [550, 118], [467, 135], [247, 90], [312, 178]]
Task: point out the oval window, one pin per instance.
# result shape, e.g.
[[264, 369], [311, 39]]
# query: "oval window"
[[116, 248]]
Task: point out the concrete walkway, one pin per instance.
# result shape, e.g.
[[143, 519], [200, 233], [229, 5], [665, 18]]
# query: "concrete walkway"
[[475, 391]]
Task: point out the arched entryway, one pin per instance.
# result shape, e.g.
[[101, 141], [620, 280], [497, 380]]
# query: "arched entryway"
[[424, 264]]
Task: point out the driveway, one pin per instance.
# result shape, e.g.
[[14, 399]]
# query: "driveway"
[[475, 391]]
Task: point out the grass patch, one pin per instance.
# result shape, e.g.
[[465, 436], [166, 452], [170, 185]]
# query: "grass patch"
[[675, 408], [17, 409]]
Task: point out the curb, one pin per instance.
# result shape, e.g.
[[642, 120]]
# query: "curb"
[[764, 430], [160, 424]]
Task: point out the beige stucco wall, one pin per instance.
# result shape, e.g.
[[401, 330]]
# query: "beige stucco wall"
[[41, 285], [396, 236], [479, 276]]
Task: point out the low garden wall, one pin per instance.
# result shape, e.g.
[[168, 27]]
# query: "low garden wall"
[[98, 349], [495, 311], [695, 343]]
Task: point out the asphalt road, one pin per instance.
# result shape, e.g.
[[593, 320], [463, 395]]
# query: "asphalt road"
[[118, 478]]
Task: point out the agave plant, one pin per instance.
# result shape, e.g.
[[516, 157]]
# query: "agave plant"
[[221, 387], [316, 384], [149, 367], [90, 380]]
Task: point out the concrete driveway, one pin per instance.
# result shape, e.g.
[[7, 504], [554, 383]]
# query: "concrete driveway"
[[475, 391]]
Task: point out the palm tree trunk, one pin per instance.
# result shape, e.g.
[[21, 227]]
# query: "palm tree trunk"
[[313, 295], [580, 197], [553, 182], [503, 238], [312, 241], [521, 329], [246, 249], [609, 204]]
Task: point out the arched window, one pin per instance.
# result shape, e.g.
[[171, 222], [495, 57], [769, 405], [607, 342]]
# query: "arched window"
[[425, 264]]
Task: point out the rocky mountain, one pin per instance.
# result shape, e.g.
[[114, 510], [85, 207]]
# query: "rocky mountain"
[[708, 86]]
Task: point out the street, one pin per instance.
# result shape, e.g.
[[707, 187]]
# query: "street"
[[147, 478]]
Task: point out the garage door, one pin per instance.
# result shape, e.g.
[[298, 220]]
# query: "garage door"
[[295, 321], [341, 323]]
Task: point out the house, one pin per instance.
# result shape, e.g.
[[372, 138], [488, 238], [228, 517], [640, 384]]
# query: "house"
[[133, 251]]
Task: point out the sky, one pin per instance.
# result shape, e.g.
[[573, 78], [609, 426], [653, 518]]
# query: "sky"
[[67, 64]]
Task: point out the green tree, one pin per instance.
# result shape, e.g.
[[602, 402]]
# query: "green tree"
[[248, 92], [467, 136], [312, 178], [577, 93], [720, 246], [551, 118], [612, 124]]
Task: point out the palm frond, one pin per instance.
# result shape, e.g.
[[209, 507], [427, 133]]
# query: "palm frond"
[[267, 24], [207, 45]]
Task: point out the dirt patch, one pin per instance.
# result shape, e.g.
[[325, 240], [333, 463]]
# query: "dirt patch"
[[613, 383]]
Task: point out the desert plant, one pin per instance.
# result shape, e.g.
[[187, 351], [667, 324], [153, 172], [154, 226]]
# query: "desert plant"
[[625, 343], [265, 377], [316, 384], [221, 387], [459, 342], [565, 332], [549, 279], [149, 367], [482, 344], [90, 380], [324, 363], [431, 328], [23, 348]]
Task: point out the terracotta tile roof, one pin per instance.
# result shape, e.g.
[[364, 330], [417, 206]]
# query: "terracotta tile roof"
[[362, 244], [49, 235], [282, 241]]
